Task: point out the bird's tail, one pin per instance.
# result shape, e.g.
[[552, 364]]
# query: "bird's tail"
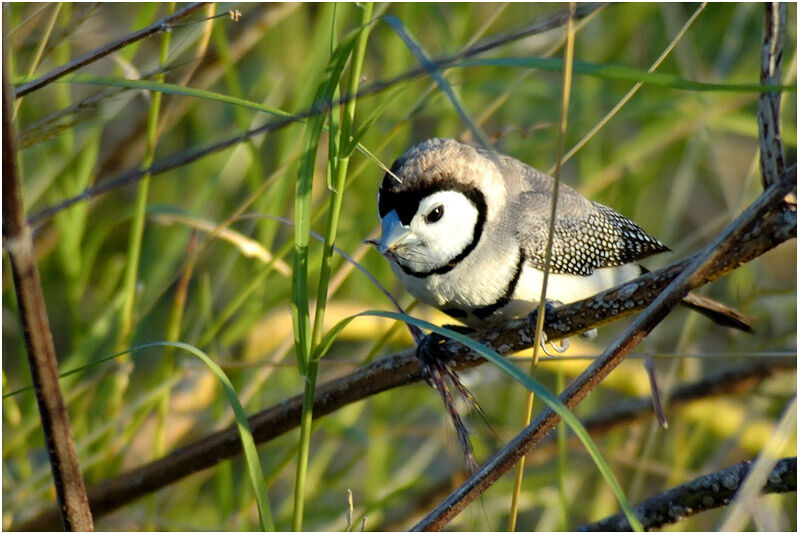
[[717, 312]]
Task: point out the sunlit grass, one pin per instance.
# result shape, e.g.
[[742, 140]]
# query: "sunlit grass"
[[682, 162]]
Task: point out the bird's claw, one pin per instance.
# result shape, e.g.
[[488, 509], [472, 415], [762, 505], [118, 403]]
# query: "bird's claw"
[[549, 313], [560, 347]]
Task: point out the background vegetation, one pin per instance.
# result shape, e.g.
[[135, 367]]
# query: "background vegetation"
[[682, 163]]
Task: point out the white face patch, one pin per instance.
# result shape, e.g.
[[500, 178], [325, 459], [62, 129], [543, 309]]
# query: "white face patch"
[[442, 228]]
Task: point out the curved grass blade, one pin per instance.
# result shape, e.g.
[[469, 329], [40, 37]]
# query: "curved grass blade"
[[509, 369], [254, 470], [248, 443], [249, 247], [173, 89]]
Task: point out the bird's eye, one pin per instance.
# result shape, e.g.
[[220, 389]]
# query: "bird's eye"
[[435, 214]]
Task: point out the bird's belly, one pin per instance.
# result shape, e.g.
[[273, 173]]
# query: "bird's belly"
[[466, 292], [563, 288]]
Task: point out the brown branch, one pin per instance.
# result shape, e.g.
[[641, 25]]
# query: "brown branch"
[[403, 368], [769, 103], [18, 242], [724, 250], [732, 380], [701, 494], [159, 26]]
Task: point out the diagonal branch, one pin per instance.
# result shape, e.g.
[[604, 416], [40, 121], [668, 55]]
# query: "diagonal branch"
[[702, 266], [720, 382], [700, 494], [403, 368]]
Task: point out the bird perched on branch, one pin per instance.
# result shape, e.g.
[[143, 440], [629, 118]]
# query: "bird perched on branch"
[[465, 230]]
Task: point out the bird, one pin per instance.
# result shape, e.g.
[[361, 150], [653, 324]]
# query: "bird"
[[465, 230]]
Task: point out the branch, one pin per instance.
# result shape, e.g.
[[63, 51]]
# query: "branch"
[[731, 380], [403, 368], [18, 242], [162, 25], [726, 252], [701, 494], [769, 103]]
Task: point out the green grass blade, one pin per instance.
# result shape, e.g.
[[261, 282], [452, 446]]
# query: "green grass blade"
[[303, 336], [140, 212], [172, 89], [339, 163], [377, 112], [254, 471], [305, 176], [622, 73]]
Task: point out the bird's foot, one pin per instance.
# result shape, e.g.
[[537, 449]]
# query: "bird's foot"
[[549, 312], [432, 354]]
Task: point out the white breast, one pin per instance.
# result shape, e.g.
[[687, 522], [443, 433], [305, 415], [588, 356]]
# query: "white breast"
[[563, 288], [472, 283]]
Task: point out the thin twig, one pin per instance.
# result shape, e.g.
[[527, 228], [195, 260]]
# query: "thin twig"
[[729, 243], [658, 408], [769, 103], [701, 494], [18, 242], [159, 26], [732, 380], [404, 368]]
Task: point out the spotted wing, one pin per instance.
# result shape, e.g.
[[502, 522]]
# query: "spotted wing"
[[587, 235]]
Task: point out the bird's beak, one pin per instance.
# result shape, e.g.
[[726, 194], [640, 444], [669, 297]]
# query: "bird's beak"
[[393, 232]]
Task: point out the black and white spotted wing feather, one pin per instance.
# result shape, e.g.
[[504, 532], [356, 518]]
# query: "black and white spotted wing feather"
[[587, 235]]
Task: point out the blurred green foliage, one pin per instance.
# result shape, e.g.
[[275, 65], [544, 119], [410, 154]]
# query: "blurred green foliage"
[[681, 163]]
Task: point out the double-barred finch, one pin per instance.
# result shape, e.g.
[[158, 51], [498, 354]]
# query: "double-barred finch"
[[465, 230]]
